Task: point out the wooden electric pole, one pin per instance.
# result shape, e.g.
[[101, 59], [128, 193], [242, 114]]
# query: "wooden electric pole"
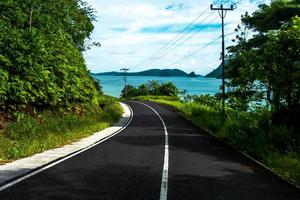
[[125, 80], [222, 12]]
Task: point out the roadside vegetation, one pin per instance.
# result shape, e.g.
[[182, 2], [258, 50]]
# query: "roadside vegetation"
[[252, 132], [263, 99], [151, 88], [33, 134], [47, 96]]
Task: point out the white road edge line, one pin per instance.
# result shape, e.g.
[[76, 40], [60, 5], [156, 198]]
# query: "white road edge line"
[[66, 158], [165, 174]]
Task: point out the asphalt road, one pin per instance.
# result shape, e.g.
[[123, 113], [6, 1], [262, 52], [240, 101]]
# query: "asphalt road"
[[130, 166]]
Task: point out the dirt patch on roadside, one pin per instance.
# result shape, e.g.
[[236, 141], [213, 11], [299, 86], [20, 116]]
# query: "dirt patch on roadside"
[[4, 120]]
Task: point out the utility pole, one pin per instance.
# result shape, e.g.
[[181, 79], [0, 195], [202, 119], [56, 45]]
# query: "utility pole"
[[125, 80], [222, 12]]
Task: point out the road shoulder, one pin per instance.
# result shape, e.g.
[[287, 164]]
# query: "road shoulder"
[[12, 171]]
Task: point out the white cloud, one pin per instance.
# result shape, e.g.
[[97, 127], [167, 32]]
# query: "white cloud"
[[119, 30]]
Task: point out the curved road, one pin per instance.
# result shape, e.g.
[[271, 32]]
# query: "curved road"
[[160, 155]]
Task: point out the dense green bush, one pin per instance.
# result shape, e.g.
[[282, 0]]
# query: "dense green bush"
[[207, 100], [29, 135], [41, 61], [151, 88]]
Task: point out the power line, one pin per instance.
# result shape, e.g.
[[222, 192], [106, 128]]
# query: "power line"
[[173, 48], [237, 2], [195, 52], [228, 1], [191, 36], [178, 35], [174, 38], [198, 50], [181, 42], [168, 47], [192, 30]]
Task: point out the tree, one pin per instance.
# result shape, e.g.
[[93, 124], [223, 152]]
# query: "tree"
[[41, 61], [143, 90], [151, 88], [168, 89], [129, 91], [269, 62]]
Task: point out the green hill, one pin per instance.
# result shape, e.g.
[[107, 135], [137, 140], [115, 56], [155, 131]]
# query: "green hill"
[[152, 72], [216, 73]]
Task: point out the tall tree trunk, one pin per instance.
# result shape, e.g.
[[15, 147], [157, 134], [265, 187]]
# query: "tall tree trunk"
[[289, 73], [276, 101], [30, 16]]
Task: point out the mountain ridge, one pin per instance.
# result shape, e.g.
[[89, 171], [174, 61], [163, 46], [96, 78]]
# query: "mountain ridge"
[[216, 73], [152, 72]]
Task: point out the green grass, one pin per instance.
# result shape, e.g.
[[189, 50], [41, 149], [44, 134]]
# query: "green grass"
[[29, 135], [248, 132], [285, 164]]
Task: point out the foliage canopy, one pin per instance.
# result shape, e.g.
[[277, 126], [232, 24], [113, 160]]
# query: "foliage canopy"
[[41, 61], [151, 88], [266, 66]]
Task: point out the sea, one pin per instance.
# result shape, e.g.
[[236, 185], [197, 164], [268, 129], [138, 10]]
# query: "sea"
[[113, 85]]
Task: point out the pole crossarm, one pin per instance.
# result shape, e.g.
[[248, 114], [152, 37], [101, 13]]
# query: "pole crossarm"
[[124, 69], [221, 7]]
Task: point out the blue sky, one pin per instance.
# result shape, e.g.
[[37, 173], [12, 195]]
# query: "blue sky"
[[130, 31]]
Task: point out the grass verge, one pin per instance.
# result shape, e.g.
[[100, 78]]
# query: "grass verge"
[[29, 135], [248, 132]]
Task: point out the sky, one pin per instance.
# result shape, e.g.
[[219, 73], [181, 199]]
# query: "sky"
[[132, 31]]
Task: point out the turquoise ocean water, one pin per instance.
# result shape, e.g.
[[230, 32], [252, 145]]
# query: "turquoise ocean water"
[[112, 85]]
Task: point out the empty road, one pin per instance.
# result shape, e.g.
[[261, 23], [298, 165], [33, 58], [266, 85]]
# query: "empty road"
[[160, 155]]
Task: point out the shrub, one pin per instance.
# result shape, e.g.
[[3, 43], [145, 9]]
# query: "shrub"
[[153, 88], [29, 135], [207, 100]]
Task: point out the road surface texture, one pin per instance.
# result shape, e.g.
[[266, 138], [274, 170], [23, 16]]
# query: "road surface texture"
[[130, 166]]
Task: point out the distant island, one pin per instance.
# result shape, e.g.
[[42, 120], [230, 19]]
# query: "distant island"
[[153, 72], [216, 73]]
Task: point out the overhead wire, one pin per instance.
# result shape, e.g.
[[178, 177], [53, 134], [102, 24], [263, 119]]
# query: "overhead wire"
[[185, 34], [198, 50], [208, 44], [178, 35], [174, 47], [171, 47], [174, 38], [173, 44], [195, 52], [190, 37]]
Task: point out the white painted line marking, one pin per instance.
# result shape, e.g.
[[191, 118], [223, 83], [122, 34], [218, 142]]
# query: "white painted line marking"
[[66, 158], [165, 174]]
